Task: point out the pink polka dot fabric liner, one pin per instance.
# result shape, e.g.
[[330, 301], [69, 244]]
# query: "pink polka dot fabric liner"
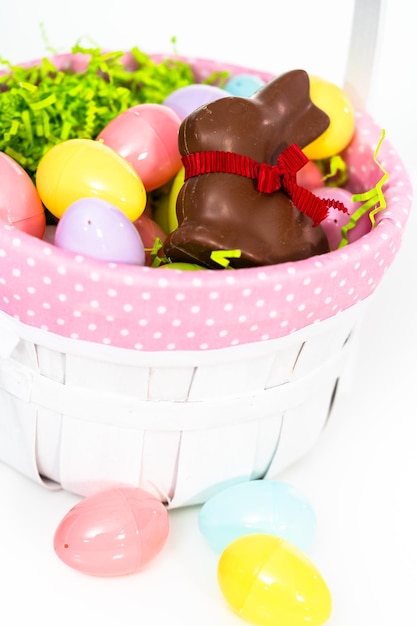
[[147, 309]]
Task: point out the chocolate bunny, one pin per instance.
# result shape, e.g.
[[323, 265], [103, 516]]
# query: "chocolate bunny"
[[238, 154]]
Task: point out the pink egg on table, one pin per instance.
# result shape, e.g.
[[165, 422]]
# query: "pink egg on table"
[[149, 231], [186, 99], [146, 135], [20, 204], [336, 219], [96, 228], [113, 532]]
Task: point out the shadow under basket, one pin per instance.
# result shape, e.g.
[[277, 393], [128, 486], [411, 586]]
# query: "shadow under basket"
[[183, 382]]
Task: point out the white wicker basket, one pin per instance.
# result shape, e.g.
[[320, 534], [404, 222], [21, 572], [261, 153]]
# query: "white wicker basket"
[[178, 425], [179, 407]]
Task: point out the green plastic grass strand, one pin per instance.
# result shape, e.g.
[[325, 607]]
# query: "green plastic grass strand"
[[155, 253], [218, 78], [45, 39], [43, 104], [373, 200], [222, 257], [338, 172], [334, 170]]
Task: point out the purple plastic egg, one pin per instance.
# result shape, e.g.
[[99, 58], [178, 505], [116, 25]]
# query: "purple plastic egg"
[[187, 99], [96, 228]]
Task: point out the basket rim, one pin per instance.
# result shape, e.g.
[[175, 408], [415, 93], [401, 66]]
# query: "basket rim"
[[385, 236]]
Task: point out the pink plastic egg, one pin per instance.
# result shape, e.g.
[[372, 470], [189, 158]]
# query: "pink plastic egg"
[[20, 204], [96, 228], [310, 176], [49, 235], [113, 532], [336, 220], [146, 135], [149, 231]]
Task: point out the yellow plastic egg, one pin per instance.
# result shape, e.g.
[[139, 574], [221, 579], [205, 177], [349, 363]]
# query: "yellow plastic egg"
[[269, 581], [84, 168], [334, 101], [172, 204]]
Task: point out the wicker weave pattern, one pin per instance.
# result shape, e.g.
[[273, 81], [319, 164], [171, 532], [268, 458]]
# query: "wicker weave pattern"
[[180, 430]]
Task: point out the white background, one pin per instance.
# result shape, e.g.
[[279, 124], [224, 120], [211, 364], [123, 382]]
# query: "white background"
[[361, 476]]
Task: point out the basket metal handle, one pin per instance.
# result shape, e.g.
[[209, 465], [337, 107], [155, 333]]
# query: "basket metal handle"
[[363, 46]]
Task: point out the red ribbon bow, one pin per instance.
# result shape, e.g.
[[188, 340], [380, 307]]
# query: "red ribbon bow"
[[269, 178]]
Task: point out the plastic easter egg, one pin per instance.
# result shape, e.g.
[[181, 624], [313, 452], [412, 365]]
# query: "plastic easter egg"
[[187, 99], [268, 581], [113, 532], [335, 102], [172, 201], [149, 231], [336, 220], [244, 85], [85, 168], [95, 228], [258, 506], [20, 204], [49, 235], [310, 176], [146, 135]]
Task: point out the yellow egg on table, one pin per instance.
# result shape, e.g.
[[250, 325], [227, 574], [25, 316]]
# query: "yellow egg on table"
[[334, 101], [270, 582], [85, 168]]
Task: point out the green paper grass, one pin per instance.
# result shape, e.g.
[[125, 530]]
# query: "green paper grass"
[[42, 106], [156, 258], [222, 257], [334, 170]]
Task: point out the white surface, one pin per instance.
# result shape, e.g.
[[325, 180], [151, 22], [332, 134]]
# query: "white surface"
[[360, 477]]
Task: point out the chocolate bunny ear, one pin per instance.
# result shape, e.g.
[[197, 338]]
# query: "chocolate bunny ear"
[[262, 126], [288, 99]]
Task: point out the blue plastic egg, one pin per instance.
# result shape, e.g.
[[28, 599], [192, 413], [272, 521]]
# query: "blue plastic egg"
[[244, 85], [258, 506]]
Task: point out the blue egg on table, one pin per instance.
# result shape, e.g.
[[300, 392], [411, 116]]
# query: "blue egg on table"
[[258, 506], [244, 85]]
